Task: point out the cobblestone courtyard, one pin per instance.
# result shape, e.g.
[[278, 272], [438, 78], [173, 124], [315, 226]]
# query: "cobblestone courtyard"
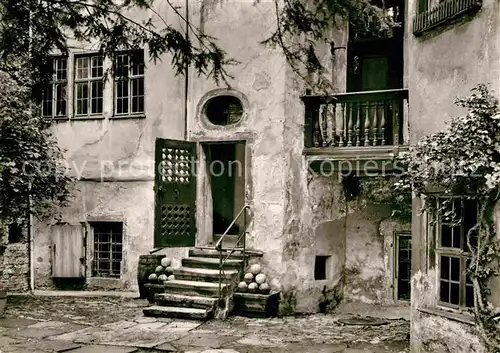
[[116, 325]]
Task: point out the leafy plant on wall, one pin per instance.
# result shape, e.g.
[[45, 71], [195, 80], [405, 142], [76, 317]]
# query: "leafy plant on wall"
[[33, 176], [464, 160], [303, 27]]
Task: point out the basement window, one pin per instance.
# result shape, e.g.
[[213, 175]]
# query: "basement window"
[[108, 249], [320, 267]]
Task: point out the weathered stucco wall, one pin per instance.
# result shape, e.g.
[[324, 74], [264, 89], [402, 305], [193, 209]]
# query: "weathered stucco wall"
[[358, 237], [433, 330], [446, 63], [114, 160], [116, 201], [294, 218], [436, 328], [441, 65], [259, 81], [121, 151]]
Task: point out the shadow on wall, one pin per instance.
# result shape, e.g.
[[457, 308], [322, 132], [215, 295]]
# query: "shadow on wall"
[[365, 253], [314, 280], [330, 239]]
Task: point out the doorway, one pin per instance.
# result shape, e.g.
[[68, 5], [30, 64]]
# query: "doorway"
[[377, 63], [403, 265], [226, 177]]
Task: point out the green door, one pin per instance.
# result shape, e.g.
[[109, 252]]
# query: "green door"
[[374, 73], [175, 193]]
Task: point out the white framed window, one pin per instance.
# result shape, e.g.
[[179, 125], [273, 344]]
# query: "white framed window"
[[454, 218], [129, 83], [81, 86], [88, 85], [54, 94]]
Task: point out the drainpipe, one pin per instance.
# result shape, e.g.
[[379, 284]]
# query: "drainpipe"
[[31, 252], [186, 78], [30, 243]]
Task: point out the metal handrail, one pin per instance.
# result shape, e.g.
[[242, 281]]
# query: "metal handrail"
[[218, 246]]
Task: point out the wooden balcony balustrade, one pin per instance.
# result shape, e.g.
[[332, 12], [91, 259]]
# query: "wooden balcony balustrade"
[[358, 119]]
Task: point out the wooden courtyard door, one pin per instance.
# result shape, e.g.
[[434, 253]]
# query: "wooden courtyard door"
[[175, 193]]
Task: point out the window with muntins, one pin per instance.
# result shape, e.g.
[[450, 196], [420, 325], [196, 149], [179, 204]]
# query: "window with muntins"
[[54, 104], [456, 216], [89, 85], [108, 249], [129, 83]]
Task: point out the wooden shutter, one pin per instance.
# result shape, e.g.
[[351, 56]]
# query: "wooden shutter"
[[175, 193], [67, 251]]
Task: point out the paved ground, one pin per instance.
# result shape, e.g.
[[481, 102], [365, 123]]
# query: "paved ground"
[[116, 325]]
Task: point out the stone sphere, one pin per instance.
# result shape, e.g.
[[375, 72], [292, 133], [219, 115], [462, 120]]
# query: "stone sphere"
[[171, 278], [248, 277], [242, 287], [162, 278], [265, 288], [255, 269], [169, 270], [275, 285], [153, 277], [166, 261], [252, 287], [159, 270], [260, 278]]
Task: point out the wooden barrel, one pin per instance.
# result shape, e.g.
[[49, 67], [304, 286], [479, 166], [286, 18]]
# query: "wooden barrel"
[[147, 265]]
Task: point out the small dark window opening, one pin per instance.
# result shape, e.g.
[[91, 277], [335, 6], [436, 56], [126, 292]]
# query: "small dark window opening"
[[15, 233], [224, 110], [320, 269], [108, 245], [352, 186]]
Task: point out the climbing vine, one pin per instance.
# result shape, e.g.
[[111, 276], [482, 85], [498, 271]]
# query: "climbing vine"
[[464, 160], [305, 27]]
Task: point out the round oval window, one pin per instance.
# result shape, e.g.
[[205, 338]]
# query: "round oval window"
[[224, 110]]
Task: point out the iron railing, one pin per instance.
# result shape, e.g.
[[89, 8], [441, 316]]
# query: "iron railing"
[[241, 238]]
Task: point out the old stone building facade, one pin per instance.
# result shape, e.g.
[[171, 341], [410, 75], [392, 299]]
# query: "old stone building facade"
[[320, 235], [446, 57], [316, 242]]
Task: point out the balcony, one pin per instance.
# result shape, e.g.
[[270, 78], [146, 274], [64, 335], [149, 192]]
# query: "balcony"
[[445, 11], [359, 127]]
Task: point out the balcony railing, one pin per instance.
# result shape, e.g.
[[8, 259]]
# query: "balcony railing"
[[444, 11], [359, 119]]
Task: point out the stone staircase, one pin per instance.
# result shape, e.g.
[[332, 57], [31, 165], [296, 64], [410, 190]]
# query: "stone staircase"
[[194, 292]]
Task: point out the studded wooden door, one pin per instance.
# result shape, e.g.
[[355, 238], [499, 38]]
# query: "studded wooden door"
[[175, 193]]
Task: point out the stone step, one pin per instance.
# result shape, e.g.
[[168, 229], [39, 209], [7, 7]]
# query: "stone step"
[[178, 312], [211, 263], [210, 251], [204, 274], [195, 288], [187, 301], [229, 240], [256, 305]]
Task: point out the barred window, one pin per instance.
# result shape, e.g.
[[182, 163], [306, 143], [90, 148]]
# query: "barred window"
[[129, 83], [456, 216], [89, 85], [54, 104], [108, 245]]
